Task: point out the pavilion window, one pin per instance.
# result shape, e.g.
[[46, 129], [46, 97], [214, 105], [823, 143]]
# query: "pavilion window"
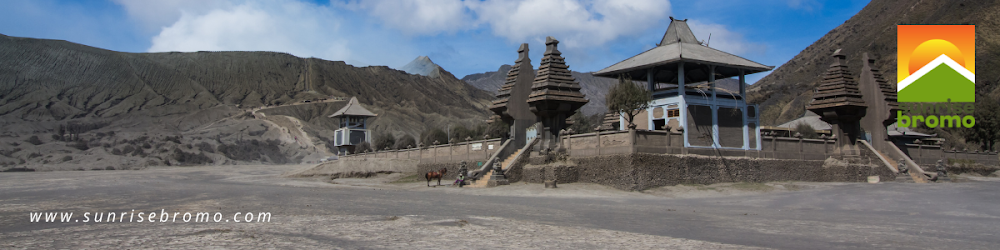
[[659, 123], [673, 113]]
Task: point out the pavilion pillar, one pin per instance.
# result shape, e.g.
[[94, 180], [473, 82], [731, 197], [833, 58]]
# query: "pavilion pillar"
[[650, 81], [683, 106], [743, 109], [711, 81], [680, 80], [743, 87], [715, 107]]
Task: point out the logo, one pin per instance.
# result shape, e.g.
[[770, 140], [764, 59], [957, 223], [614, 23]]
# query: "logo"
[[937, 63], [936, 74]]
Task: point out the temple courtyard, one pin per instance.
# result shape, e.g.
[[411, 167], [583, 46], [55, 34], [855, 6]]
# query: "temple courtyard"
[[394, 211]]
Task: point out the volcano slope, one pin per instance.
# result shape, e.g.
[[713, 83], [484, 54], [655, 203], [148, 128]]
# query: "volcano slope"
[[784, 93], [70, 106]]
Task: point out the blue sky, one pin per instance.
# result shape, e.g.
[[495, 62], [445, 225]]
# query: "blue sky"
[[464, 37]]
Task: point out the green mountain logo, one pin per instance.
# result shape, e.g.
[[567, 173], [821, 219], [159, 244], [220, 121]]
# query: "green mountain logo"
[[938, 81]]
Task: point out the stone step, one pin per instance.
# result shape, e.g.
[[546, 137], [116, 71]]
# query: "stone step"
[[483, 181], [904, 179]]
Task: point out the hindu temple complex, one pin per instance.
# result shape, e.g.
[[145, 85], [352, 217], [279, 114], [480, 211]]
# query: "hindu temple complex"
[[693, 131]]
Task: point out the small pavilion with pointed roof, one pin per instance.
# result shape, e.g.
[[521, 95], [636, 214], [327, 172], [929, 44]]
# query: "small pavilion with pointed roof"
[[707, 117], [353, 122]]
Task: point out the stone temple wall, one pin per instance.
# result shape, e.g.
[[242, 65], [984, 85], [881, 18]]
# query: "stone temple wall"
[[640, 171]]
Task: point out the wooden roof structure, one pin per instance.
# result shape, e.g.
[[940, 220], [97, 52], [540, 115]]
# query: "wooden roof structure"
[[353, 108], [838, 87], [679, 45]]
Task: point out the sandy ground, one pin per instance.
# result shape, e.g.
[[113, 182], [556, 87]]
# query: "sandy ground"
[[394, 211]]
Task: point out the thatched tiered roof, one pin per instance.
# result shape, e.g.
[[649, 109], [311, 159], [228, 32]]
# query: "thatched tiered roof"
[[554, 89]]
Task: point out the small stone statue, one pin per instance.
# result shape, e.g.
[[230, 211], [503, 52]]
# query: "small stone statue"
[[903, 170], [941, 168], [464, 169], [496, 167], [462, 172]]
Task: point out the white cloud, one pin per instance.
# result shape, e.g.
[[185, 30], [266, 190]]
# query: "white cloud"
[[297, 28], [807, 5], [154, 15], [424, 17], [724, 39], [575, 23]]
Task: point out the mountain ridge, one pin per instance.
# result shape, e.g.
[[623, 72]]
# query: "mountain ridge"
[[785, 92], [85, 105]]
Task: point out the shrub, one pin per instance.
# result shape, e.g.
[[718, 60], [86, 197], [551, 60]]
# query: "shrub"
[[384, 140], [79, 144], [139, 152], [34, 155], [8, 153], [206, 147], [257, 133], [806, 130], [362, 147], [128, 149], [254, 150], [34, 140], [175, 139], [191, 158], [405, 141], [67, 158], [117, 152], [433, 134]]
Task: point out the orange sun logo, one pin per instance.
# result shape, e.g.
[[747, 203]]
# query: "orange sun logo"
[[920, 44]]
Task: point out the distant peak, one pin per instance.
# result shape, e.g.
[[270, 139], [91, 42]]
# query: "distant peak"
[[422, 66]]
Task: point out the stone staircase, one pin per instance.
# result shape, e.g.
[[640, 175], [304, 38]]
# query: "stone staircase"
[[503, 165]]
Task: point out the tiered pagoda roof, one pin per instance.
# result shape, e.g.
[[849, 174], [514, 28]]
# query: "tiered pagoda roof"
[[837, 89], [888, 90], [503, 94], [554, 87]]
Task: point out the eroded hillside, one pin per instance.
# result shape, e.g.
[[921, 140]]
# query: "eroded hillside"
[[182, 104]]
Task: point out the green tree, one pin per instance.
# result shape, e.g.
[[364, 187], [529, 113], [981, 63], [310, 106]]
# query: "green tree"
[[497, 129], [986, 132], [582, 123], [459, 132], [628, 99], [406, 141], [384, 140], [430, 135]]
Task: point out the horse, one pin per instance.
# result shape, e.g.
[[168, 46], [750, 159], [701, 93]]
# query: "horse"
[[435, 174]]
